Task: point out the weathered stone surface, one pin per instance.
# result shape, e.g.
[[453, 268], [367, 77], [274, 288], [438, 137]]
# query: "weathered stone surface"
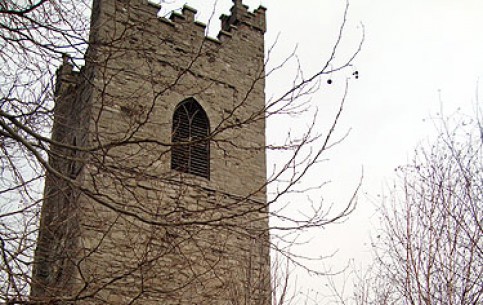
[[127, 228]]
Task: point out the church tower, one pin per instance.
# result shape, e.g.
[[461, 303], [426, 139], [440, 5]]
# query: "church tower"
[[155, 190]]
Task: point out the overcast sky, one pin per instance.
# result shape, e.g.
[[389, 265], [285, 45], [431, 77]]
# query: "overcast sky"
[[418, 57]]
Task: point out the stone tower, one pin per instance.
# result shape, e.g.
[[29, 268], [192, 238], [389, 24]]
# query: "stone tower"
[[155, 191]]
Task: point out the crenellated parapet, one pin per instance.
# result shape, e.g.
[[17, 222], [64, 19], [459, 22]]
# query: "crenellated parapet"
[[136, 18], [240, 14], [187, 16]]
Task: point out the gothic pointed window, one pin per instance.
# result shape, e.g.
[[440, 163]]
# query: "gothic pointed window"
[[190, 152]]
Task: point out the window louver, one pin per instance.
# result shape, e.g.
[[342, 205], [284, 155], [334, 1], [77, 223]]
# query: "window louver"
[[190, 152]]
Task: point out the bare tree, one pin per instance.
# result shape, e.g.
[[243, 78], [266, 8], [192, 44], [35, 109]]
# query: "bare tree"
[[101, 169], [429, 250]]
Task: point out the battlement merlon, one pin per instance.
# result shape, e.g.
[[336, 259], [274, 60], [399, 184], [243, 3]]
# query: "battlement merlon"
[[65, 75], [241, 15]]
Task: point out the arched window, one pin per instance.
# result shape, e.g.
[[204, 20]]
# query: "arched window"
[[190, 152]]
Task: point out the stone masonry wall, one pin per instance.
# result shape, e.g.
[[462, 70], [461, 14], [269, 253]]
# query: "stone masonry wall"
[[141, 232]]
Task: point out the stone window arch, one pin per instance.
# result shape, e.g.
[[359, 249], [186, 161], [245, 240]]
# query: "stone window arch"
[[190, 152]]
